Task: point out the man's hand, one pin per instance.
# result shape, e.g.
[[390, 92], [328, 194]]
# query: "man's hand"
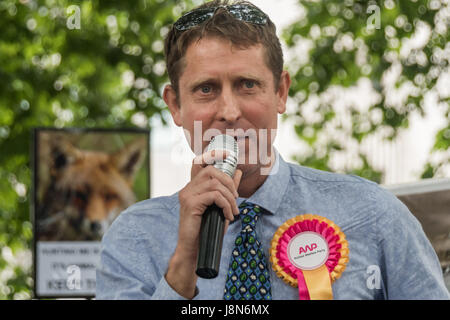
[[208, 185]]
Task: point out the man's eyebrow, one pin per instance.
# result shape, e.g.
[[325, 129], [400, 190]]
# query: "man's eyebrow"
[[249, 77], [210, 80], [199, 82], [260, 80]]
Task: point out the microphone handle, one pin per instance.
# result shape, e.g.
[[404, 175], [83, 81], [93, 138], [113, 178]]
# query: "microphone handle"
[[210, 244]]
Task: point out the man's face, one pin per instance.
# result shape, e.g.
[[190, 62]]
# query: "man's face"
[[225, 89]]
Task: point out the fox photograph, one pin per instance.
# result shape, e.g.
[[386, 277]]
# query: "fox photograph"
[[85, 179]]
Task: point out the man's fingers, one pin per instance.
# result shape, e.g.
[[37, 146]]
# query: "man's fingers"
[[212, 173], [217, 198], [205, 159], [208, 179], [237, 178], [216, 185]]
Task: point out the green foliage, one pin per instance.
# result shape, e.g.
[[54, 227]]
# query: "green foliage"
[[108, 73], [348, 50]]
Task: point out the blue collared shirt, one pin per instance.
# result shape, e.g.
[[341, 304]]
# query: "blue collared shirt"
[[389, 255]]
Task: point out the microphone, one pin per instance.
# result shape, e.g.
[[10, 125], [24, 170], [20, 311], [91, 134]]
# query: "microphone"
[[213, 220]]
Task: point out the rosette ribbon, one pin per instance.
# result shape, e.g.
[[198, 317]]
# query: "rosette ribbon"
[[314, 281]]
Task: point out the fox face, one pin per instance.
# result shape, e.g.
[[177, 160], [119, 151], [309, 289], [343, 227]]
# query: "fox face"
[[87, 190]]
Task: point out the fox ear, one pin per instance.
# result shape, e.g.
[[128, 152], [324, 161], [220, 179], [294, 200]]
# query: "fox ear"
[[128, 160], [60, 153]]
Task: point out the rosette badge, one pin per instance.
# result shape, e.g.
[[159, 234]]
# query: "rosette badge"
[[309, 252]]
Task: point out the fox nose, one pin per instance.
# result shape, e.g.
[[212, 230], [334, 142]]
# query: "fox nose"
[[96, 227]]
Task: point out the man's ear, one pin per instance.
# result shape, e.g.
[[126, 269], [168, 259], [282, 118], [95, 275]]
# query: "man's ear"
[[283, 91], [171, 99]]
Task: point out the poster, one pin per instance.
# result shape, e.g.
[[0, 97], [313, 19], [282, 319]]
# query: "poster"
[[429, 201], [83, 179]]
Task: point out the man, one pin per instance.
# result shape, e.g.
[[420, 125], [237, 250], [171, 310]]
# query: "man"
[[225, 66]]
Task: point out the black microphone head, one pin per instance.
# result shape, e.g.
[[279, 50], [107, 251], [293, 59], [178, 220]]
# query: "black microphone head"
[[229, 144]]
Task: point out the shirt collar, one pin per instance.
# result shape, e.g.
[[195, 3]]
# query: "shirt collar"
[[270, 194]]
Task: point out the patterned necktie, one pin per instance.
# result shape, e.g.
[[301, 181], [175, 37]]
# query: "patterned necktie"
[[248, 276]]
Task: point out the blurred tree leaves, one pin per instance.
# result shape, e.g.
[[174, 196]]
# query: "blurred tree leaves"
[[393, 52], [107, 73]]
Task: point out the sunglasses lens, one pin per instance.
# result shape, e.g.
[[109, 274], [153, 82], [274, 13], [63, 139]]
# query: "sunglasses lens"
[[241, 12], [194, 18], [247, 13]]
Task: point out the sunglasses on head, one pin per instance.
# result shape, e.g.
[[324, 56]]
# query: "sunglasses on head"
[[243, 12]]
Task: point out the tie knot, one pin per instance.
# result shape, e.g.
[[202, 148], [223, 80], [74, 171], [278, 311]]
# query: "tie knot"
[[249, 214]]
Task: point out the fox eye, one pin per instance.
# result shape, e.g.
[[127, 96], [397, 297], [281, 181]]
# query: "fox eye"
[[111, 196], [80, 198], [81, 195]]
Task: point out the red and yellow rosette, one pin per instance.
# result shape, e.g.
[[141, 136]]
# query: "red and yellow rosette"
[[309, 252]]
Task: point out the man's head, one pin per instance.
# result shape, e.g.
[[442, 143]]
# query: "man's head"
[[226, 70], [221, 22]]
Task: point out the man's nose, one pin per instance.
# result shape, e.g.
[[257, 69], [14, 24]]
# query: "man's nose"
[[229, 108]]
